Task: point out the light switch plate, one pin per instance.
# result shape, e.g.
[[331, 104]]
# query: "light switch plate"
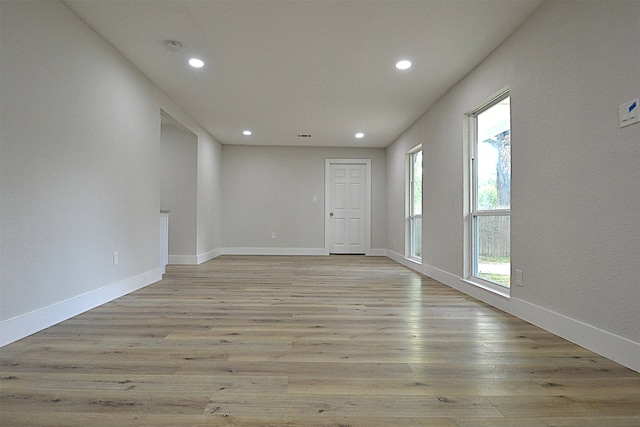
[[628, 113]]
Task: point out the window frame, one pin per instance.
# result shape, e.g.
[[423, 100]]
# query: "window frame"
[[411, 216], [474, 214]]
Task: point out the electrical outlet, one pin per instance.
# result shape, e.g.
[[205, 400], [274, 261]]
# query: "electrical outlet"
[[519, 278], [116, 258], [273, 235]]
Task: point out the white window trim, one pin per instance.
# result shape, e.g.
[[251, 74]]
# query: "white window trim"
[[470, 177], [409, 205]]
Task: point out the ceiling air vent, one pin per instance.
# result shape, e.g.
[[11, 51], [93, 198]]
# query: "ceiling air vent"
[[304, 135]]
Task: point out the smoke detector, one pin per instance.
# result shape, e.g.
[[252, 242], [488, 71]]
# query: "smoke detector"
[[172, 45]]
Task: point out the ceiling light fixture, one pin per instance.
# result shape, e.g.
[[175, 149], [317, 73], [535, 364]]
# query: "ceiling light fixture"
[[196, 63], [359, 135], [246, 132], [403, 65]]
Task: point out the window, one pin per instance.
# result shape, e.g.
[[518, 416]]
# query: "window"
[[414, 242], [491, 192]]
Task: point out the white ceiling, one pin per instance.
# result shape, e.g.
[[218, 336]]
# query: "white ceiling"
[[324, 68]]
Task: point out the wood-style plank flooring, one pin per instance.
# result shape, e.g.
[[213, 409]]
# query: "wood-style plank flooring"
[[307, 341]]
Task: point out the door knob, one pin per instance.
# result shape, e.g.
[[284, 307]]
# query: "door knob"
[[331, 214]]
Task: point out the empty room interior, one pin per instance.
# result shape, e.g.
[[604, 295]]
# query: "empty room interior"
[[311, 213]]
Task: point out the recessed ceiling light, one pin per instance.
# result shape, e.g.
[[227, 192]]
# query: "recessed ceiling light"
[[246, 132], [359, 135], [403, 65], [196, 63]]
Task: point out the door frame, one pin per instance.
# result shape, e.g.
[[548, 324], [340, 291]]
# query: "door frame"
[[327, 208]]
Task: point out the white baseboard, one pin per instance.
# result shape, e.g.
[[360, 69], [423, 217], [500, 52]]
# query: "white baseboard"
[[194, 259], [619, 349], [396, 257], [206, 256], [612, 346], [274, 251], [26, 324], [183, 259], [376, 252]]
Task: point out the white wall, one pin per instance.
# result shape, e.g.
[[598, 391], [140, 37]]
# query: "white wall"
[[179, 174], [209, 186], [80, 171], [271, 189], [575, 178]]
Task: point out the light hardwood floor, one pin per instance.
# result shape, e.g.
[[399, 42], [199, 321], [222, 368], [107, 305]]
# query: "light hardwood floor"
[[307, 341]]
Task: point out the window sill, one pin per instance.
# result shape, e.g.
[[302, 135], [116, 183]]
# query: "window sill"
[[414, 260]]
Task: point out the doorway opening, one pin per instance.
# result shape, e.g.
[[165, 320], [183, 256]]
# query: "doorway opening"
[[178, 191]]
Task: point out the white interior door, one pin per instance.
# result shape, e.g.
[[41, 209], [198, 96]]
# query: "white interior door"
[[348, 206]]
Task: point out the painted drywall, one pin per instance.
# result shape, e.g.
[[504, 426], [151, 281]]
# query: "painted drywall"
[[209, 187], [80, 172], [178, 172], [575, 175], [271, 189], [80, 133]]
